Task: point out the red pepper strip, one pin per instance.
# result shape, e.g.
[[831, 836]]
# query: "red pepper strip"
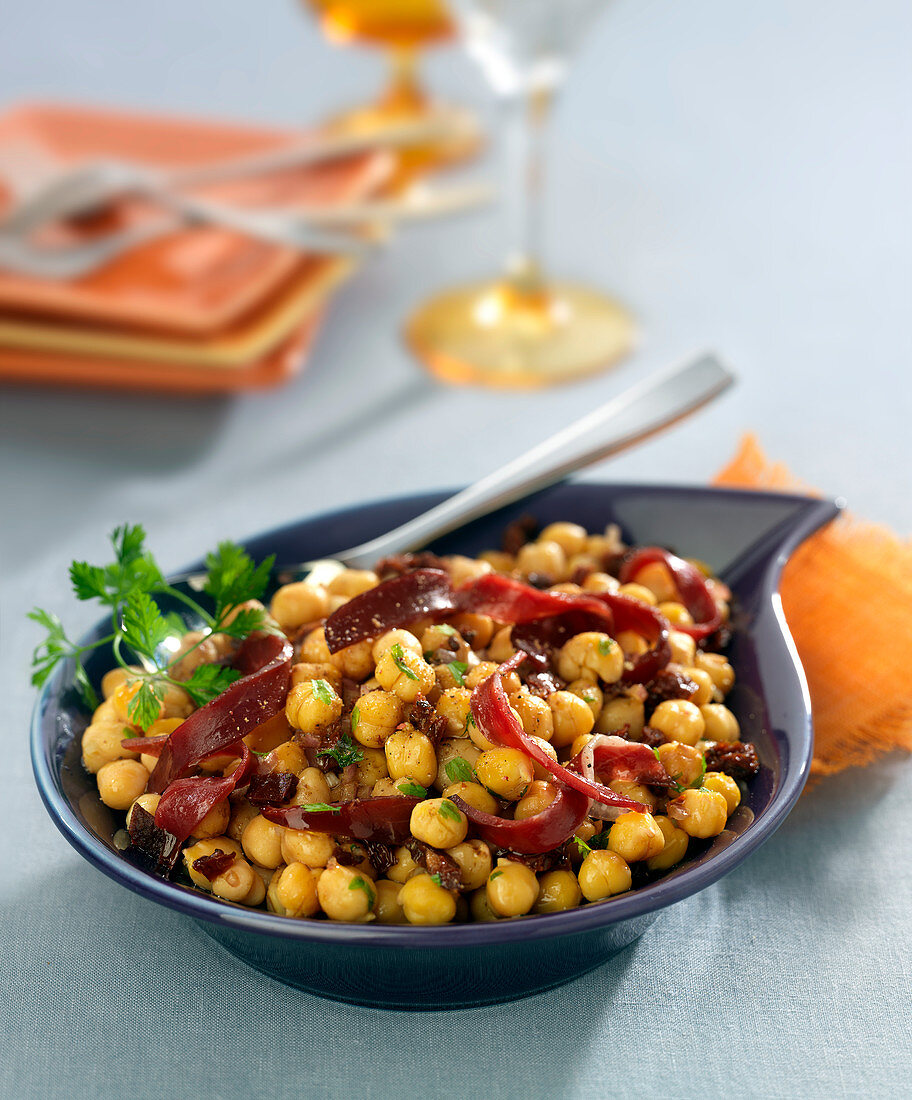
[[496, 721], [266, 658], [629, 761], [383, 819], [187, 801], [542, 833], [151, 745], [510, 601], [393, 603], [691, 585]]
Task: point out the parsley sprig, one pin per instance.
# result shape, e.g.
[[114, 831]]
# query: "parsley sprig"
[[129, 586]]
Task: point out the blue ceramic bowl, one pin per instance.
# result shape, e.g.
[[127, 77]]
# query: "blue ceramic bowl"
[[746, 537]]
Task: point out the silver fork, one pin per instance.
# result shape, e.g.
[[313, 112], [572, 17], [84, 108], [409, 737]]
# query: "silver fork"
[[636, 414]]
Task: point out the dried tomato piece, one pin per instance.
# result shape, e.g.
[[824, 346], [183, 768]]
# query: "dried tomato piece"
[[735, 758], [436, 862], [212, 866], [275, 787]]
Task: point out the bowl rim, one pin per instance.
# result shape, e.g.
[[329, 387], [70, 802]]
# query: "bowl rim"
[[657, 895]]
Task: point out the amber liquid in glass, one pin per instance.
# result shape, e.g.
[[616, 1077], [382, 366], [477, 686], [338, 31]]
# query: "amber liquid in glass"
[[391, 23]]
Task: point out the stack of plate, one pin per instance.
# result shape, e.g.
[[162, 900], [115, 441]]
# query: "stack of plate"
[[201, 310]]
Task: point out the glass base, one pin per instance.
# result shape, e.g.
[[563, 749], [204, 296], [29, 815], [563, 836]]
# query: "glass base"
[[494, 334]]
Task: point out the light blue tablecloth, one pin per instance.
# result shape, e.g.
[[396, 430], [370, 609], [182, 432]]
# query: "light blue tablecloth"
[[740, 175]]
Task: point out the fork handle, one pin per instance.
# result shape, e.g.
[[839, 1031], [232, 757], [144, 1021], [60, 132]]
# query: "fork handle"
[[634, 415]]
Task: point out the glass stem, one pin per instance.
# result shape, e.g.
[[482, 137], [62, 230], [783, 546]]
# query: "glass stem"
[[404, 91], [526, 112]]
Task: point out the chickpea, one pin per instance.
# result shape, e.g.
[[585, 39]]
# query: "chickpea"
[[476, 630], [147, 802], [345, 893], [305, 846], [676, 613], [683, 647], [121, 782], [719, 723], [510, 682], [505, 772], [208, 847], [312, 788], [676, 841], [410, 755], [678, 720], [113, 679], [635, 836], [196, 648], [372, 767], [538, 797], [388, 909], [438, 822], [215, 822], [386, 641], [603, 874], [720, 671], [404, 867], [316, 670], [636, 791], [404, 673], [585, 832], [262, 841], [474, 794], [656, 577], [535, 715], [499, 560], [424, 902], [700, 813], [704, 684], [591, 652], [462, 569], [354, 661], [571, 716], [473, 857], [352, 582], [296, 891], [591, 694], [236, 882], [102, 744], [289, 757], [480, 907], [545, 557], [512, 889], [683, 763], [500, 647], [638, 592], [632, 644], [624, 710], [598, 581], [558, 890], [386, 788], [454, 704], [579, 744], [312, 705], [570, 537], [242, 813], [257, 891], [456, 759], [538, 770], [726, 786]]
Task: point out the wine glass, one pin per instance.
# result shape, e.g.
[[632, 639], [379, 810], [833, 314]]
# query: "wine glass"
[[523, 329], [403, 28]]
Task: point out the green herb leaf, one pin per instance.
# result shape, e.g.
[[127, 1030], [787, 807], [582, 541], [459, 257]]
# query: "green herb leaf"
[[344, 752], [88, 581], [244, 622], [361, 884], [399, 659], [355, 718], [144, 629], [412, 789], [323, 692], [605, 646], [445, 628], [448, 810], [459, 669], [233, 577], [582, 846], [470, 721], [321, 807], [437, 879], [458, 770], [145, 706], [493, 875], [208, 681]]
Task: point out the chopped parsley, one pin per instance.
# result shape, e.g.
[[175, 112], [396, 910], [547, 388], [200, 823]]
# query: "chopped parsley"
[[399, 660], [448, 810], [323, 692], [459, 669], [493, 875], [582, 846], [458, 770], [412, 789], [437, 879], [361, 884], [355, 718], [605, 646], [344, 751], [445, 628], [321, 807]]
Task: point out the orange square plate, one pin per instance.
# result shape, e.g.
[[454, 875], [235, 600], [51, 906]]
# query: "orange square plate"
[[195, 281]]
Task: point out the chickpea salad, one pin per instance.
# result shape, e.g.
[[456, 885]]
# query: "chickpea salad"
[[441, 739]]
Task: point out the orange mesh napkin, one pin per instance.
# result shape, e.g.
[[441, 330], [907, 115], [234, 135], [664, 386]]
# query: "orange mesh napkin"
[[847, 597]]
